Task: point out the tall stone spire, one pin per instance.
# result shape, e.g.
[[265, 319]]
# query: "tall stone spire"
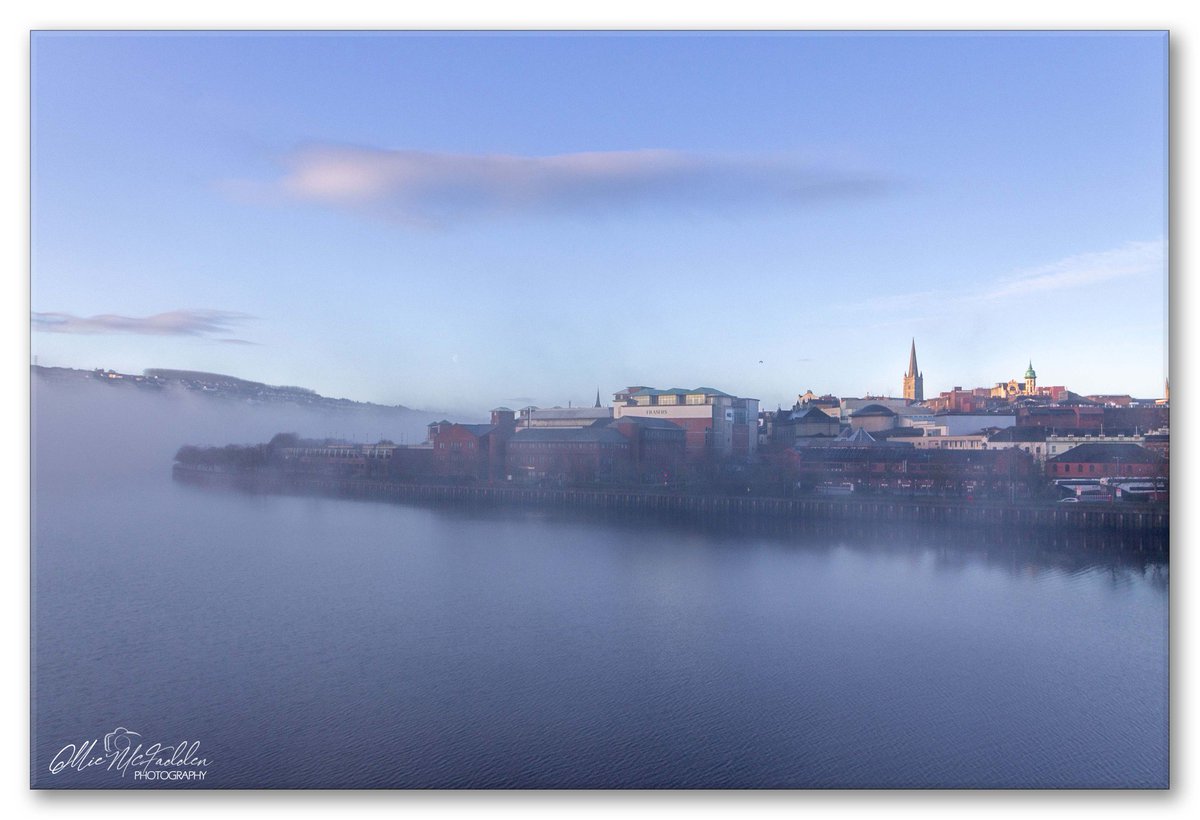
[[914, 380], [598, 397]]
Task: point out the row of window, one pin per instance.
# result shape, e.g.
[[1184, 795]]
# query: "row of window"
[[671, 399], [556, 445], [1091, 468]]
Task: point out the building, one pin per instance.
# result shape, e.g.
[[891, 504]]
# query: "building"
[[1030, 439], [1100, 460], [967, 441], [629, 449], [657, 448], [1013, 389], [800, 422], [958, 400], [1058, 444], [872, 418], [335, 457], [1112, 400], [1066, 415], [959, 424], [1158, 441], [716, 424], [900, 470], [1140, 415], [914, 380], [571, 455], [470, 452], [563, 416]]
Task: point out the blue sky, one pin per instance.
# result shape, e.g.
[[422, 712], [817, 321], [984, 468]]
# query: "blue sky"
[[460, 221]]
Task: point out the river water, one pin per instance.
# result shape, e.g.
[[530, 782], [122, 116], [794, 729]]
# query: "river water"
[[317, 642]]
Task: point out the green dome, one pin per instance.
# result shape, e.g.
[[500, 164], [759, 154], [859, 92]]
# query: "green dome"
[[1029, 374]]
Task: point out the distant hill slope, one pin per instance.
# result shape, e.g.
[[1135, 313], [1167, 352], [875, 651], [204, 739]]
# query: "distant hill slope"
[[213, 384], [82, 420]]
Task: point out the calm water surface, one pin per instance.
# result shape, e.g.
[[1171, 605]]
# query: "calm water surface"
[[311, 642]]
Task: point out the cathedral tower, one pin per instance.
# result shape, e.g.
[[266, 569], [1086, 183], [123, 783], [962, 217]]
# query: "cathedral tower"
[[914, 380]]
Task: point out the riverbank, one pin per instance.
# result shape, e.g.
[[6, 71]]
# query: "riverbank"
[[1141, 519]]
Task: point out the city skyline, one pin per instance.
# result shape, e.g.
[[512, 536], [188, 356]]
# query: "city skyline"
[[460, 221]]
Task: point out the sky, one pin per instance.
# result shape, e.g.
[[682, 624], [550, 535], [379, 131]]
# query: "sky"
[[460, 221]]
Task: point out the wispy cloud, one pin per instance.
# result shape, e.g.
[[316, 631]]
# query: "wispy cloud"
[[201, 323], [1131, 259], [1073, 272], [425, 188]]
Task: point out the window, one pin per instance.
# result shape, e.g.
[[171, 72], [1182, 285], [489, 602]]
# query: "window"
[[694, 398], [664, 400]]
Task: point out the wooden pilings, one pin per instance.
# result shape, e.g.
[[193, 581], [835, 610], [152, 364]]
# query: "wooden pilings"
[[1145, 519]]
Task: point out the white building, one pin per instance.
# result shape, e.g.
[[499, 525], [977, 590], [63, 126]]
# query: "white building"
[[1057, 445]]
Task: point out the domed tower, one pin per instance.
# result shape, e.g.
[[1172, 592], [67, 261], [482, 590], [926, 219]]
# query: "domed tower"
[[1030, 380], [914, 380]]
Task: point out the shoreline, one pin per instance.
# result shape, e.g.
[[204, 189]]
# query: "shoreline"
[[1141, 520]]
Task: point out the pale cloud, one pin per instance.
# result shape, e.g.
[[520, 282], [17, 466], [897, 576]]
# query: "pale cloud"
[[202, 323], [428, 188], [1071, 273], [1082, 270]]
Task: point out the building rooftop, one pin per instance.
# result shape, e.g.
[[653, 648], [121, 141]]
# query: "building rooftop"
[[873, 410], [571, 413], [1018, 434], [1109, 454], [856, 437], [811, 414], [679, 391], [597, 434]]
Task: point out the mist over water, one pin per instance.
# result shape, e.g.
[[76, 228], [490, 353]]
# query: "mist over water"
[[311, 642], [119, 430]]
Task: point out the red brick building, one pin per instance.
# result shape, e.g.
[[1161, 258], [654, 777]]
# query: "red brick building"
[[1062, 416], [460, 451], [657, 450], [964, 401], [1099, 460], [631, 449], [570, 454]]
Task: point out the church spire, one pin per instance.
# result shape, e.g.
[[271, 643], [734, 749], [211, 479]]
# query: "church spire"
[[914, 382], [597, 396]]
